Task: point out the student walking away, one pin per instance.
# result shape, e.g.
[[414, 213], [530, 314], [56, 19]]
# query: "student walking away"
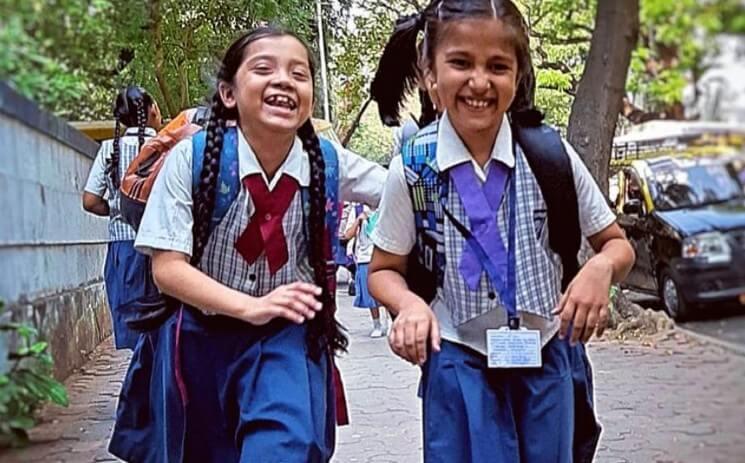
[[137, 119], [476, 247], [361, 229], [242, 228]]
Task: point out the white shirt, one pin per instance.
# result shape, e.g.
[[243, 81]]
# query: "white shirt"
[[99, 183], [395, 231], [167, 221], [363, 247]]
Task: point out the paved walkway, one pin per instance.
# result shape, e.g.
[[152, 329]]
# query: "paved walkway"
[[677, 401]]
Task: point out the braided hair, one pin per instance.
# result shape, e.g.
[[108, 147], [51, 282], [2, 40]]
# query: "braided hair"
[[324, 333], [403, 60], [131, 108]]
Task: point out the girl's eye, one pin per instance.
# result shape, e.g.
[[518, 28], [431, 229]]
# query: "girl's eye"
[[499, 67], [459, 63], [300, 75], [263, 69]]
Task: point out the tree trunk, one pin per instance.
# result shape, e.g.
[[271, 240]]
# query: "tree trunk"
[[156, 31], [600, 93]]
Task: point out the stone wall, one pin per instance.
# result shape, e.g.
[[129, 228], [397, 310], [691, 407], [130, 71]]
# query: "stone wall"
[[51, 252]]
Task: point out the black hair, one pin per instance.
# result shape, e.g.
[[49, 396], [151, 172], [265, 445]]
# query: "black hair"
[[403, 61], [131, 108], [324, 332]]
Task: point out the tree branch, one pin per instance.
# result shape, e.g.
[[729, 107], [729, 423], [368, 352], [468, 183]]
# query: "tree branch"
[[355, 123], [155, 30]]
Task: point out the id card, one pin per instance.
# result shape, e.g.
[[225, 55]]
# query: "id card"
[[508, 348]]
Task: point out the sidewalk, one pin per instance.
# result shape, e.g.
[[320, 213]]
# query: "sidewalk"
[[679, 401]]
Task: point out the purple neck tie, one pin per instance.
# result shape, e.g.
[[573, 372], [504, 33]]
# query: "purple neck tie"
[[481, 204]]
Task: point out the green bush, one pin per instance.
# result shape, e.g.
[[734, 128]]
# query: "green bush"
[[26, 385]]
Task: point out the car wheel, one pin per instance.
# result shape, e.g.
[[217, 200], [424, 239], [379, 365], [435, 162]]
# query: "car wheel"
[[675, 304]]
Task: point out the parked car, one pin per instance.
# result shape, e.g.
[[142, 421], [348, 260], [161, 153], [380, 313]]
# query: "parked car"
[[685, 218]]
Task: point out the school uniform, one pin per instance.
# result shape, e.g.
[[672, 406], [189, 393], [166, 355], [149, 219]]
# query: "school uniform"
[[472, 413], [362, 256], [126, 272], [214, 388]]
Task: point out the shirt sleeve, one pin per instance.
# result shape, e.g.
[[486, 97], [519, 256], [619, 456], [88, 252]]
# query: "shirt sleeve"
[[167, 222], [395, 231], [397, 136], [595, 214], [96, 183], [360, 180]]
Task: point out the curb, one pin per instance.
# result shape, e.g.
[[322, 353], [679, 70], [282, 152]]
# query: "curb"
[[730, 346]]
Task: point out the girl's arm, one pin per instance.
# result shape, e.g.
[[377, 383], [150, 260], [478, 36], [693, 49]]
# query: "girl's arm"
[[584, 304], [95, 186], [351, 231], [394, 237], [95, 204], [176, 277], [360, 180], [415, 322]]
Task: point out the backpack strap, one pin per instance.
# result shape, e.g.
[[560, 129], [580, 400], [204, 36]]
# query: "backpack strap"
[[331, 161], [550, 163], [427, 188], [228, 179]]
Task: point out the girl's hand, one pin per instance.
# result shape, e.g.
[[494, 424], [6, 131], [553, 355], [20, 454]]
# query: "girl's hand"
[[296, 302], [410, 331], [584, 304]]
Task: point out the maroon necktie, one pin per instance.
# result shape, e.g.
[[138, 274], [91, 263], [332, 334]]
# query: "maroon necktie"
[[264, 232]]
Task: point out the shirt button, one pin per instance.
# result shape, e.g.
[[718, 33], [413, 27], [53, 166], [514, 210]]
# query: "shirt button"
[[268, 217], [252, 277], [491, 295]]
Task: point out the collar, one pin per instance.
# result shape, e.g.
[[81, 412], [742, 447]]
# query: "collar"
[[451, 150], [132, 131], [296, 163]]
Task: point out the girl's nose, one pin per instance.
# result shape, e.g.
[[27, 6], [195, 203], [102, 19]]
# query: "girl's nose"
[[479, 82]]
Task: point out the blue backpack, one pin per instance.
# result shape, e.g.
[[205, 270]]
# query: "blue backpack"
[[550, 163]]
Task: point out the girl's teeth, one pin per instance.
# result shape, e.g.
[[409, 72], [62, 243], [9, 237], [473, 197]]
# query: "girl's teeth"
[[477, 103]]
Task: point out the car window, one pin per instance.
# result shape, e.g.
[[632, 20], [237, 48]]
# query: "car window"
[[677, 186]]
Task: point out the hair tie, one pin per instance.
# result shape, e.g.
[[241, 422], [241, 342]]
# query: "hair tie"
[[421, 21]]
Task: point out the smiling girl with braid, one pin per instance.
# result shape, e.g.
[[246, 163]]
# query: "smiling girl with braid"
[[125, 270], [243, 370], [494, 307]]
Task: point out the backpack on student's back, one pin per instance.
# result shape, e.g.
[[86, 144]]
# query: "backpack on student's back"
[[552, 168], [150, 311], [141, 174]]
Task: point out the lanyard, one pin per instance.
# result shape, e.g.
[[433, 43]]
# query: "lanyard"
[[506, 289]]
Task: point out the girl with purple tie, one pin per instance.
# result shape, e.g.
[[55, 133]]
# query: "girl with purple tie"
[[505, 376]]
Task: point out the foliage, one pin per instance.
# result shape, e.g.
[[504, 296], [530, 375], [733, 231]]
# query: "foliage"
[[72, 56], [560, 32], [358, 32], [27, 385], [59, 53], [176, 44]]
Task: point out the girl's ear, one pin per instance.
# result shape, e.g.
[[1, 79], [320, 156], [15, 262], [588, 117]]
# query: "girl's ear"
[[431, 85], [226, 94]]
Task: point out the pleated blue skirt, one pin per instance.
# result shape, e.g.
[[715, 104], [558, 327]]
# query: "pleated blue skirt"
[[363, 299], [220, 390], [475, 414], [127, 278]]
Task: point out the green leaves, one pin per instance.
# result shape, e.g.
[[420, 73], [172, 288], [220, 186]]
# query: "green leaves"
[[27, 385]]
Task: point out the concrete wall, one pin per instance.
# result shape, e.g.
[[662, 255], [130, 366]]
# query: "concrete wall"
[[51, 251]]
